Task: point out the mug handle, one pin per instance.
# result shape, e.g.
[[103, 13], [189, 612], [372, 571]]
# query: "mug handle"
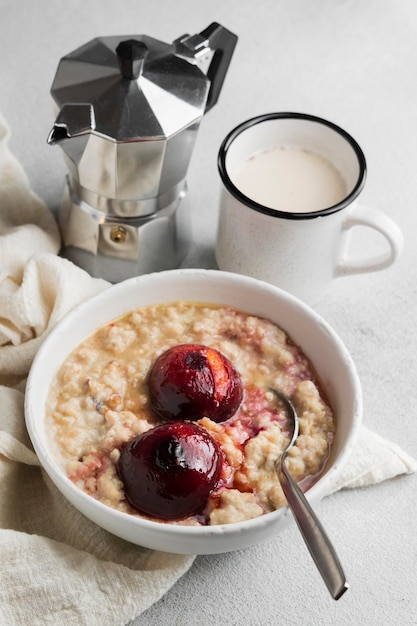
[[375, 219]]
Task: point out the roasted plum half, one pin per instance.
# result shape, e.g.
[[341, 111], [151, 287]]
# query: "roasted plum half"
[[191, 381], [168, 472]]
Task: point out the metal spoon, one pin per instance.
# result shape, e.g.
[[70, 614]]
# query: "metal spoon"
[[311, 529]]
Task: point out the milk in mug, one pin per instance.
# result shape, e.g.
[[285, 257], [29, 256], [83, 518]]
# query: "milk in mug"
[[292, 179]]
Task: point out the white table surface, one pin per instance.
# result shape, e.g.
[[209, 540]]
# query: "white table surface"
[[355, 63]]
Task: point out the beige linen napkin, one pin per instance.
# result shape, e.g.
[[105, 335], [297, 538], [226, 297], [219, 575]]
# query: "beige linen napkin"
[[56, 566]]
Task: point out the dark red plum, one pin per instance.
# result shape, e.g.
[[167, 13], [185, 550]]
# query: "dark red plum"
[[191, 381], [169, 471]]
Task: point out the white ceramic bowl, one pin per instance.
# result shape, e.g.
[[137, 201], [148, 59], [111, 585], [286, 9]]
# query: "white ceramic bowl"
[[317, 339]]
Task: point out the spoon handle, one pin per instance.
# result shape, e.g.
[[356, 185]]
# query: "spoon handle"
[[313, 534]]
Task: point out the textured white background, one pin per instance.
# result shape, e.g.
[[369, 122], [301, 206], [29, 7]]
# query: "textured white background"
[[354, 62]]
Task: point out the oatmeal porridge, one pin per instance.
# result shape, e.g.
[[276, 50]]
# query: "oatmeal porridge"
[[99, 402]]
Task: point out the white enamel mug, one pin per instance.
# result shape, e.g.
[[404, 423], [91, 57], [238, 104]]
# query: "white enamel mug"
[[299, 251]]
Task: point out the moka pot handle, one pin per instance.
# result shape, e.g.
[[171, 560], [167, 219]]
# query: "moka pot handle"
[[223, 42]]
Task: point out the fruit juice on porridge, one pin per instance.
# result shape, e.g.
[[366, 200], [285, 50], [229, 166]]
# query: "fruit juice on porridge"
[[106, 412]]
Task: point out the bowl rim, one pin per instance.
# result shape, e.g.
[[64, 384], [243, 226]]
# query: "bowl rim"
[[64, 484]]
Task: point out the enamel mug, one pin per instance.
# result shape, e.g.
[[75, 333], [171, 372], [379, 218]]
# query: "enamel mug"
[[289, 202]]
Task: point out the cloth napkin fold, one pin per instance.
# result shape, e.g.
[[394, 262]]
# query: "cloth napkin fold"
[[57, 567]]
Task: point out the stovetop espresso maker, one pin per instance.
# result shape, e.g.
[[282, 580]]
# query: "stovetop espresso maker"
[[128, 112]]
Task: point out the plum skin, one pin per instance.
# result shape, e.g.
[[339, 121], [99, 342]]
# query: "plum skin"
[[169, 471], [192, 381]]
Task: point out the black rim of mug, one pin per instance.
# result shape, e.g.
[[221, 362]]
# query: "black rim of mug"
[[221, 163]]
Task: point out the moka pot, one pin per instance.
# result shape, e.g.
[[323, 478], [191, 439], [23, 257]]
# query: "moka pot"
[[128, 112]]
